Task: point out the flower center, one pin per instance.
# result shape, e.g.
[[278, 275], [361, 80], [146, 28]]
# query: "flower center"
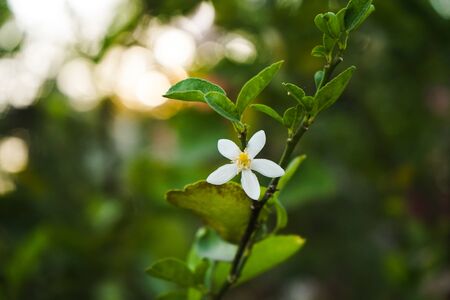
[[243, 161]]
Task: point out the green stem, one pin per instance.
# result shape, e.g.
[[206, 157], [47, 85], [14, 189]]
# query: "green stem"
[[245, 244], [257, 206], [243, 137], [328, 70], [241, 130]]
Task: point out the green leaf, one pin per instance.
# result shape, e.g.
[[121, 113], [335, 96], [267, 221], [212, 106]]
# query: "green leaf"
[[322, 24], [299, 95], [308, 103], [194, 294], [290, 117], [328, 43], [226, 208], [255, 85], [265, 255], [296, 92], [318, 76], [332, 23], [341, 17], [173, 270], [290, 171], [293, 116], [268, 111], [269, 253], [328, 94], [319, 51], [357, 12], [172, 295], [200, 271], [210, 245], [282, 216], [192, 89], [222, 105]]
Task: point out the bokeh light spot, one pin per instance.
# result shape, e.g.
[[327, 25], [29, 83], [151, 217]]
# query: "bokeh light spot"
[[150, 88], [13, 154], [76, 80], [240, 49], [174, 48]]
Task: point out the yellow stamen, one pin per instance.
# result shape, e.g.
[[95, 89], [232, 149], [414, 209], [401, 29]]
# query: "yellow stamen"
[[243, 161]]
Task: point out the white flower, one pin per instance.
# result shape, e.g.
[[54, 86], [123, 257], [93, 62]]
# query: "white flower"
[[245, 162]]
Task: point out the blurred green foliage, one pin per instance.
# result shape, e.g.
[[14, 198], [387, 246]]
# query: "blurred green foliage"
[[87, 216]]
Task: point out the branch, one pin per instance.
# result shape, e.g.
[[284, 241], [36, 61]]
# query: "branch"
[[257, 206], [245, 244]]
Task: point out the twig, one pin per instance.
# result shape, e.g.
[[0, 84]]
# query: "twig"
[[245, 244]]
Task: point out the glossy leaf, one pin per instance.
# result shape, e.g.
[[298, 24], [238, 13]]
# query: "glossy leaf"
[[255, 85], [328, 43], [269, 253], [266, 255], [293, 116], [294, 91], [225, 208], [222, 105], [282, 216], [341, 17], [356, 13], [192, 89], [319, 51], [173, 270], [308, 102], [290, 171], [328, 94], [332, 23], [322, 24], [318, 76], [290, 117], [210, 245], [268, 111]]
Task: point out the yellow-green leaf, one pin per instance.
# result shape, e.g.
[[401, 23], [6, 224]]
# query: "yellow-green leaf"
[[290, 171], [173, 270], [265, 255], [172, 295], [225, 208]]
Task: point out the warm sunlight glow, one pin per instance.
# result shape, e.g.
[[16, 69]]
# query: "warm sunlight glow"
[[76, 81], [13, 154], [6, 184], [200, 22], [240, 49], [150, 88], [49, 28], [174, 48], [10, 35]]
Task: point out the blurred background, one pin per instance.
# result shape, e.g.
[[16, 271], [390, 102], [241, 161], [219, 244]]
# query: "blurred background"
[[88, 146]]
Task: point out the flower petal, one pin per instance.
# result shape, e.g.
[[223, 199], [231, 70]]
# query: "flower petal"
[[228, 149], [267, 168], [223, 174], [256, 143], [250, 184]]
